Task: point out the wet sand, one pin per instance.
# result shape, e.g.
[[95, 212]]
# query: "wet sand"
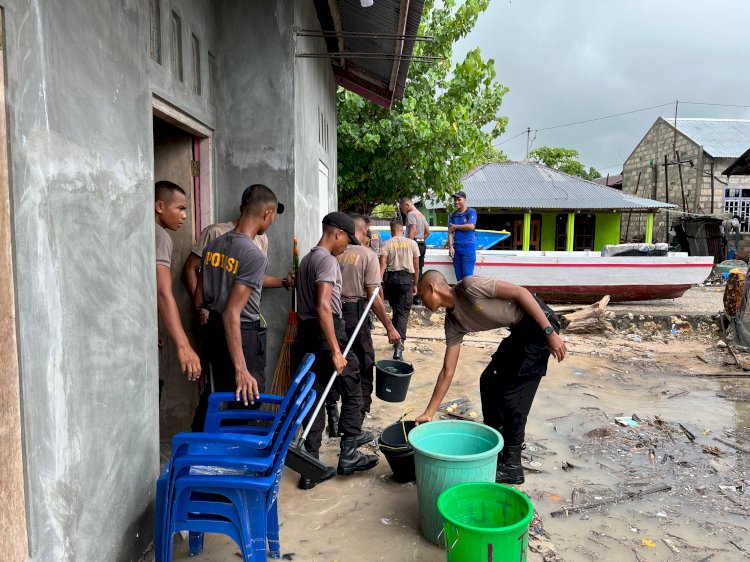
[[370, 517]]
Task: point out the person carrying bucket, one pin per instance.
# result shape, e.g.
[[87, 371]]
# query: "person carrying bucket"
[[509, 383], [360, 274], [322, 332]]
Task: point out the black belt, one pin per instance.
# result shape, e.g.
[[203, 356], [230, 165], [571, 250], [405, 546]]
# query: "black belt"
[[338, 321], [354, 305], [401, 272], [253, 325]]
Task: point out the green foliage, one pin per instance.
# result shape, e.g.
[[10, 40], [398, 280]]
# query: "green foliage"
[[443, 127], [565, 160]]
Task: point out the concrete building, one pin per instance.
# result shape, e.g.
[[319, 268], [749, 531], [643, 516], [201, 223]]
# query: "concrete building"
[[99, 99], [545, 209], [684, 165]]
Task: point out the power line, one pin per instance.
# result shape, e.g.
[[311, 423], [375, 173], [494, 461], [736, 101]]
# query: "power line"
[[525, 131], [714, 104], [605, 117], [562, 125]]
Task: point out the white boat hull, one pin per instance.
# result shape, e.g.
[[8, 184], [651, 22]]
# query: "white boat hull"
[[586, 276]]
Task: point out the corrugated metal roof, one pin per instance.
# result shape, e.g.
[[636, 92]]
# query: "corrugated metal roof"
[[376, 64], [528, 185], [721, 138]]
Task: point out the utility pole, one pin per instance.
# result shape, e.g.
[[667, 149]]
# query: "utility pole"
[[528, 142], [674, 139]]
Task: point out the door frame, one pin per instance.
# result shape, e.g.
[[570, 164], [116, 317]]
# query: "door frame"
[[202, 153], [14, 539]]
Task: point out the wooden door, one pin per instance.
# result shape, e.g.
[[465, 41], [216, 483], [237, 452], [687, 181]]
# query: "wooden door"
[[13, 538], [173, 155], [534, 238]]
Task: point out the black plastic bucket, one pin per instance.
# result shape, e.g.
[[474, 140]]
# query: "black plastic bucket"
[[392, 380], [395, 447]]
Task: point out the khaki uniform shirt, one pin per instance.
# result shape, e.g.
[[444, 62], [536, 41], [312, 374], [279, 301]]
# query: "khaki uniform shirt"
[[163, 247], [359, 270], [376, 242], [400, 253], [477, 310], [319, 266], [212, 232], [416, 218]]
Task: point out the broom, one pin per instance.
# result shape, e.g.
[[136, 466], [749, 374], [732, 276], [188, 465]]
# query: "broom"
[[283, 375]]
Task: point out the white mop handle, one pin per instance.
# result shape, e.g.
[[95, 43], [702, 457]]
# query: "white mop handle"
[[346, 352]]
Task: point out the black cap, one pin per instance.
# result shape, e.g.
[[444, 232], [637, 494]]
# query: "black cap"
[[344, 222], [459, 194]]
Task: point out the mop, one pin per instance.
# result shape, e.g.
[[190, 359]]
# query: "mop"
[[298, 459]]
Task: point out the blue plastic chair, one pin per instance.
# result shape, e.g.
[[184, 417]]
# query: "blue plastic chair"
[[204, 502], [186, 462], [218, 413], [249, 454]]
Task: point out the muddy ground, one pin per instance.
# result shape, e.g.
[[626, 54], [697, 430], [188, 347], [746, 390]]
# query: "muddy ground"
[[576, 451]]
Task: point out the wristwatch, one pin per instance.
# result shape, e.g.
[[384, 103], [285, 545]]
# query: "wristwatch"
[[548, 331]]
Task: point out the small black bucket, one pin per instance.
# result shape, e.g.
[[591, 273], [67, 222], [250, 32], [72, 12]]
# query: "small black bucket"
[[392, 380], [395, 447]]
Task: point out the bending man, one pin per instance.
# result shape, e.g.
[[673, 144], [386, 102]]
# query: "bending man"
[[508, 384]]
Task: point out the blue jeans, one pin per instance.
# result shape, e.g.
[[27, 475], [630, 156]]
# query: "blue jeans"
[[464, 258]]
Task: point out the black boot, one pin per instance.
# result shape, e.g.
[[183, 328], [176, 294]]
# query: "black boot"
[[333, 419], [509, 469], [351, 460], [306, 483], [398, 352], [364, 438]]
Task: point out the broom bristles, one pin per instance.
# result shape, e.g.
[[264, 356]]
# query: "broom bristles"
[[283, 375]]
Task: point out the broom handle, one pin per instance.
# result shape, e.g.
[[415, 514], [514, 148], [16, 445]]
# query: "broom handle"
[[333, 376]]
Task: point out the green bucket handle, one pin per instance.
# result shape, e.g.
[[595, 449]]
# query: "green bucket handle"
[[403, 428], [446, 547]]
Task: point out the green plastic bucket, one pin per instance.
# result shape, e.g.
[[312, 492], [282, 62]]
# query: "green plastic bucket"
[[485, 522], [447, 453]]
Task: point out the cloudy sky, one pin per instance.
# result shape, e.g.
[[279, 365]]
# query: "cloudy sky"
[[572, 60]]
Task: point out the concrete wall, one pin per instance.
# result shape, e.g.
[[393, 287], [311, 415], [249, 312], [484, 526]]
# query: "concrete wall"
[[315, 139], [80, 86]]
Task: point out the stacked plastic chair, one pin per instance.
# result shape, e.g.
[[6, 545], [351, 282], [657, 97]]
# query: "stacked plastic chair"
[[226, 480]]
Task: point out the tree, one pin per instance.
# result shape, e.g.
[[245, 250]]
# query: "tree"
[[565, 160], [442, 128]]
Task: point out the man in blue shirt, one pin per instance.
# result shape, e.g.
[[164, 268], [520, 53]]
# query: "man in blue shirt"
[[462, 239]]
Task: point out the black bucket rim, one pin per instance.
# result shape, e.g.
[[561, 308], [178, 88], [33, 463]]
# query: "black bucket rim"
[[389, 373]]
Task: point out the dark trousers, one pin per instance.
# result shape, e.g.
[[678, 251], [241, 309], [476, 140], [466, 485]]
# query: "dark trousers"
[[509, 383], [310, 339], [221, 365], [398, 292], [422, 251], [362, 348]]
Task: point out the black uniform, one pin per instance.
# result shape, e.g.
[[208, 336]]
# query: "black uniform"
[[319, 266], [399, 279]]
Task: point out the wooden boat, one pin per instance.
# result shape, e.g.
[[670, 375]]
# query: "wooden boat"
[[586, 276], [486, 239]]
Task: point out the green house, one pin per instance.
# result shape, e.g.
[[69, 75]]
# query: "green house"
[[544, 209]]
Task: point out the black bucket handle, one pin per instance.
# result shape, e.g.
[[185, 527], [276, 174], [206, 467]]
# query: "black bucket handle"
[[446, 548], [403, 428]]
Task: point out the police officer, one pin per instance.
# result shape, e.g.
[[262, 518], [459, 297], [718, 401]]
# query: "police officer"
[[509, 383], [360, 273], [417, 229], [376, 242], [233, 269], [322, 331], [399, 265]]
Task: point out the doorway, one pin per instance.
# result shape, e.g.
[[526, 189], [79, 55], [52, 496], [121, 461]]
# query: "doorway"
[[14, 542], [179, 152], [534, 238]]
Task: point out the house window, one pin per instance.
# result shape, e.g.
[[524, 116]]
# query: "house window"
[[196, 50], [177, 47], [583, 232], [737, 202], [155, 25]]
